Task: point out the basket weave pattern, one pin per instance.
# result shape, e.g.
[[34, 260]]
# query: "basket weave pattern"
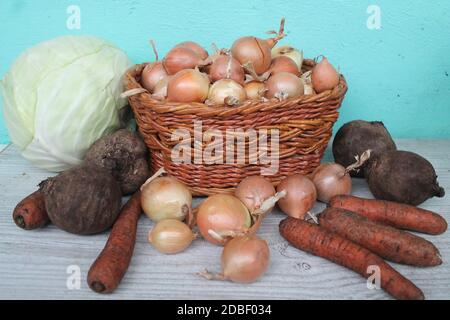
[[304, 124]]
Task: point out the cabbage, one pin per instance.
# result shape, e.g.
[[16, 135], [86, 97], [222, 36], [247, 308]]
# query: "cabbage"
[[61, 96]]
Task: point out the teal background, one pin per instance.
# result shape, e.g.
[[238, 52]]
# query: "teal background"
[[399, 74]]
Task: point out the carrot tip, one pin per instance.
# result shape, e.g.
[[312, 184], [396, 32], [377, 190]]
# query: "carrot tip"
[[20, 221], [98, 287]]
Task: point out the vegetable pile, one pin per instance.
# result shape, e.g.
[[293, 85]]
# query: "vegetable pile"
[[100, 163], [252, 69]]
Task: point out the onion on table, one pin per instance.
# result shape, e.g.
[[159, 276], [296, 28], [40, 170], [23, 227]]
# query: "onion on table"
[[170, 236], [244, 260]]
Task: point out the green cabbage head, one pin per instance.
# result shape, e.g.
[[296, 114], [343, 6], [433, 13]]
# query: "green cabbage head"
[[61, 96]]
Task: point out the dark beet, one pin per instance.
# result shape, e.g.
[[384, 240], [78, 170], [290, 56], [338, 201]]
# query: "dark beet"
[[124, 154], [404, 177], [355, 137], [83, 200]]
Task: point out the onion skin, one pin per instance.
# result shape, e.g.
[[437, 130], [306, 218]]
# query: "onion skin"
[[253, 191], [181, 58], [160, 90], [284, 64], [324, 76], [285, 83], [255, 90], [253, 50], [170, 236], [226, 88], [222, 213], [290, 52], [152, 74], [301, 196], [198, 49], [245, 259], [331, 180], [188, 86], [166, 198], [218, 69]]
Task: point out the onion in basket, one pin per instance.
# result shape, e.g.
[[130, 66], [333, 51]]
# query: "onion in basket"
[[324, 76], [257, 51], [284, 85], [189, 85], [226, 91]]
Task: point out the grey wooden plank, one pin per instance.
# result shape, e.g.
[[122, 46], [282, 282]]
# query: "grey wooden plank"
[[2, 147], [33, 264]]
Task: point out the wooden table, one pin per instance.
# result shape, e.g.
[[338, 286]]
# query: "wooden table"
[[35, 264]]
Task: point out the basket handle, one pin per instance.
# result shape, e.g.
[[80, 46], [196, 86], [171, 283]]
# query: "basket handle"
[[132, 92]]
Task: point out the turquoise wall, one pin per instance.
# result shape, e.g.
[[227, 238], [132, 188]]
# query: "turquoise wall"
[[398, 74]]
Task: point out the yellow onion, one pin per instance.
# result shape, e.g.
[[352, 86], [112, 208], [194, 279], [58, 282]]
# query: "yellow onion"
[[284, 64], [285, 85], [255, 90], [290, 52], [324, 76], [301, 195], [160, 90], [331, 179], [244, 260], [181, 58], [170, 236], [226, 91], [256, 51], [152, 74], [226, 67], [254, 191], [165, 198], [222, 215], [188, 85], [198, 49]]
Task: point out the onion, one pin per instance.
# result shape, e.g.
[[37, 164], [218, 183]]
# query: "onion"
[[180, 58], [226, 91], [324, 76], [152, 74], [284, 85], [198, 49], [188, 86], [331, 179], [222, 215], [165, 198], [171, 236], [160, 90], [256, 51], [253, 191], [284, 64], [290, 52], [255, 90], [301, 196], [226, 67], [244, 260]]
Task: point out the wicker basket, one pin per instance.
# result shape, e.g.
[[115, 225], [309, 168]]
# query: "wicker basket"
[[304, 124]]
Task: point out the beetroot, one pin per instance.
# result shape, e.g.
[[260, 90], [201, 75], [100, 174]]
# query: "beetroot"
[[355, 137], [404, 177]]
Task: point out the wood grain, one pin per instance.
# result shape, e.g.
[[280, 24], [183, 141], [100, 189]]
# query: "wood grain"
[[33, 264]]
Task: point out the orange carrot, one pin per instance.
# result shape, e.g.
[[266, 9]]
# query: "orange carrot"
[[397, 215], [111, 265], [30, 213], [329, 245], [387, 242]]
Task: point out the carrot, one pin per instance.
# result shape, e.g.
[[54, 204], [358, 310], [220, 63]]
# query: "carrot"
[[397, 215], [329, 245], [111, 265], [387, 242], [30, 213]]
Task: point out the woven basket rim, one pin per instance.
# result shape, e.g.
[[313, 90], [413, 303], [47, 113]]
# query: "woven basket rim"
[[249, 106]]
